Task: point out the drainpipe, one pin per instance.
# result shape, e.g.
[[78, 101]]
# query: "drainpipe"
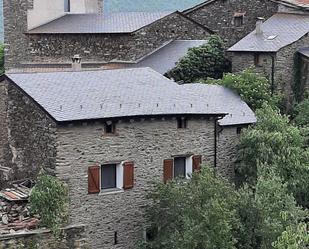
[[216, 144], [272, 74]]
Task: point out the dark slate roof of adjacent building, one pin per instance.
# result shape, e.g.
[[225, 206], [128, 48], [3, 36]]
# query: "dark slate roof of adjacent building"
[[279, 31], [72, 96], [95, 23], [166, 58], [304, 51], [303, 4]]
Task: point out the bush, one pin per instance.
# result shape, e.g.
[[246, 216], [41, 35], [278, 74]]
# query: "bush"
[[253, 88], [49, 199], [206, 61]]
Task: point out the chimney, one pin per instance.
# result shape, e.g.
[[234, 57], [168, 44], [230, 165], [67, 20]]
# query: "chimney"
[[76, 63], [259, 29]]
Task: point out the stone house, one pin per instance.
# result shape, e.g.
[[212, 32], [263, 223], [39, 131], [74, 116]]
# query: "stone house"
[[302, 74], [43, 33], [109, 134], [271, 50], [234, 19]]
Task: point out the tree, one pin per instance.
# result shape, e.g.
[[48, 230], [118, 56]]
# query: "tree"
[[265, 211], [293, 238], [253, 88], [279, 145], [49, 200], [196, 214], [205, 61]]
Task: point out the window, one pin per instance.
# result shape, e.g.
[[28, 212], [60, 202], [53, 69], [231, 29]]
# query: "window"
[[239, 130], [111, 176], [257, 60], [108, 176], [239, 19], [67, 5], [182, 123], [180, 167], [110, 128]]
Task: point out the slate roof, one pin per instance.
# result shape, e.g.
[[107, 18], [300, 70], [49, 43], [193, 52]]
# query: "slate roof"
[[166, 58], [304, 4], [304, 51], [148, 5], [94, 23], [71, 96], [279, 31]]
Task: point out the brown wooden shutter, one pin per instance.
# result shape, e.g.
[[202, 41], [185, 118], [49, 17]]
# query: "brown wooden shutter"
[[197, 163], [128, 175], [168, 170], [94, 180]]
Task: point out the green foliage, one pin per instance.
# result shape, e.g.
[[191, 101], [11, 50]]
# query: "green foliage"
[[49, 199], [279, 145], [207, 212], [1, 59], [253, 88], [265, 212], [206, 61], [198, 214], [293, 238], [301, 113]]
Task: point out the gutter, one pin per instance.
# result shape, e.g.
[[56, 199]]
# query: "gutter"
[[216, 144]]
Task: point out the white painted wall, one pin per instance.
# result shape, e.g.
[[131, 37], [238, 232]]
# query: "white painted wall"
[[45, 11]]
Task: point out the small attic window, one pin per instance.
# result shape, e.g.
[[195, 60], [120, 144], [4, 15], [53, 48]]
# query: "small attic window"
[[239, 19], [181, 123], [109, 128], [67, 5]]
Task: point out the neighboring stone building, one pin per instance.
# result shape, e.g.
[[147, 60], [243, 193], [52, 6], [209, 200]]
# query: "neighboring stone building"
[[302, 74], [109, 134], [49, 32], [234, 19], [271, 50]]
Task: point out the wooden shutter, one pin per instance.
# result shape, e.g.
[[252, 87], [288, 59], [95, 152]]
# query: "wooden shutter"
[[128, 175], [168, 170], [197, 163], [94, 180]]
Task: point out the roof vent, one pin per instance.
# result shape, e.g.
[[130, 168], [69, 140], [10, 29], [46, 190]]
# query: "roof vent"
[[76, 63], [259, 23]]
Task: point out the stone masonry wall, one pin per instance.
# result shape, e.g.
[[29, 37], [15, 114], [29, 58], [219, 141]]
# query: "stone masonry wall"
[[284, 66], [147, 143], [219, 16], [284, 71], [105, 47], [54, 48], [74, 238], [30, 135], [226, 152]]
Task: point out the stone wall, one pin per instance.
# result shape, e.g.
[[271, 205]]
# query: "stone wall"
[[284, 74], [56, 48], [226, 152], [29, 142], [74, 238], [304, 73], [147, 143], [219, 16]]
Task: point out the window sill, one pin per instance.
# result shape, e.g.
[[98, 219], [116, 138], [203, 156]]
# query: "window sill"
[[111, 191]]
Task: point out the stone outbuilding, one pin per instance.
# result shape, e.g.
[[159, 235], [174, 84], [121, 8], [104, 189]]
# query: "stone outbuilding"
[[109, 134], [271, 49], [48, 33]]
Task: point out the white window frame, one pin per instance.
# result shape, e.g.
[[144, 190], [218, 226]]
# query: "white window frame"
[[119, 179], [189, 166]]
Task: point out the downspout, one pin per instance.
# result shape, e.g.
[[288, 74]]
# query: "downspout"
[[216, 144], [272, 74]]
